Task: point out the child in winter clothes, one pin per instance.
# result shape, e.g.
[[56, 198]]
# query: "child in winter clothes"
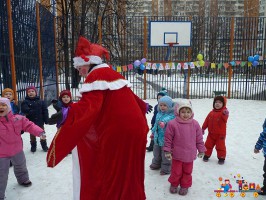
[[164, 115], [36, 111], [9, 94], [261, 144], [183, 138], [160, 94], [11, 146], [62, 107], [216, 124]]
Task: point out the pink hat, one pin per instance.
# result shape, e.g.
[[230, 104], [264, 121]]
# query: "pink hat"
[[65, 92], [7, 102], [88, 53], [31, 88]]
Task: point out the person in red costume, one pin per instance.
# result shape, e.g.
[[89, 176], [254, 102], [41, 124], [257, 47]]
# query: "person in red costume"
[[216, 123], [109, 129]]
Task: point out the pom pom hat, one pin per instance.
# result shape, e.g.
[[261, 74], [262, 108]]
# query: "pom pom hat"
[[7, 102], [162, 93], [87, 53]]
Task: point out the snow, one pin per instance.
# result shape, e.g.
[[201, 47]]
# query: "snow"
[[243, 129]]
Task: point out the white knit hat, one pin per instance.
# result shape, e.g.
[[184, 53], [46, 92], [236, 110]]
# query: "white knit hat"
[[7, 102], [184, 103], [87, 53]]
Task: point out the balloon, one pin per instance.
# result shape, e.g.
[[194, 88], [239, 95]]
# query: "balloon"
[[250, 59], [142, 67], [255, 63], [199, 57], [202, 63], [256, 57], [137, 63], [143, 60]]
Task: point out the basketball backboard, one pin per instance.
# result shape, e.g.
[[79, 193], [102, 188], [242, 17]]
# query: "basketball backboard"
[[164, 32]]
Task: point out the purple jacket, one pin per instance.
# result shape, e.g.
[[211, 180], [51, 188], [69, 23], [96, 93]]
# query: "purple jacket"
[[183, 139], [10, 137]]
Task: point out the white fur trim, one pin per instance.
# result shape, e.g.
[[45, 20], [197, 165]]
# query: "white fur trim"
[[104, 85], [78, 61], [76, 174]]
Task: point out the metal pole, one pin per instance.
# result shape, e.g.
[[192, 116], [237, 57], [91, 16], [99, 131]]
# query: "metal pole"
[[39, 48], [11, 49]]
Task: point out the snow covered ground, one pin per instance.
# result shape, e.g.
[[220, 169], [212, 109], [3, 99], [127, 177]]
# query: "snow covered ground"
[[243, 128]]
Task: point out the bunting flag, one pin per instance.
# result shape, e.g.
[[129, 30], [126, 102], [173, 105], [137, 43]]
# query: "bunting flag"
[[192, 66], [130, 66], [161, 67], [118, 69], [114, 67], [173, 65], [249, 64], [185, 66], [178, 67], [226, 65], [243, 63], [148, 65], [213, 65], [124, 68], [220, 65], [154, 66], [167, 66]]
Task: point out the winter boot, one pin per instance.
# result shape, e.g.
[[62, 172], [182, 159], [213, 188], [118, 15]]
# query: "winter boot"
[[205, 158], [221, 161], [27, 183], [183, 191], [150, 148], [173, 189], [33, 146], [262, 191], [44, 145], [10, 164]]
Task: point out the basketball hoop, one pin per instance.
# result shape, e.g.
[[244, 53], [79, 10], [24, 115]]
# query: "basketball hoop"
[[171, 44]]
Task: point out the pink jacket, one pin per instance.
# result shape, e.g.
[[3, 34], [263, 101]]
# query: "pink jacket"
[[10, 137], [183, 139]]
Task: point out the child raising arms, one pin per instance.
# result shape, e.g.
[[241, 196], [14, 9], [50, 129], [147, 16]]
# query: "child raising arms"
[[11, 146], [183, 138], [216, 124]]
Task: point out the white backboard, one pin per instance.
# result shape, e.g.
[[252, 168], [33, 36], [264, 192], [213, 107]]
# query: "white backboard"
[[164, 32]]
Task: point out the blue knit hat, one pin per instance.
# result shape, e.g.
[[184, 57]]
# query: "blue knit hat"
[[162, 93], [167, 100]]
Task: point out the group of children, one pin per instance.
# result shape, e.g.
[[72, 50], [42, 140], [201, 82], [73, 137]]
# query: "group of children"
[[177, 139], [31, 118]]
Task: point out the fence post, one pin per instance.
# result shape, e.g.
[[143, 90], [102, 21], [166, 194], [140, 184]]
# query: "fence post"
[[11, 50], [189, 69], [145, 45], [231, 55], [39, 48]]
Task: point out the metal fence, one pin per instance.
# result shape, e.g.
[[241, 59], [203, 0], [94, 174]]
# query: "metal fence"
[[32, 33], [220, 39]]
